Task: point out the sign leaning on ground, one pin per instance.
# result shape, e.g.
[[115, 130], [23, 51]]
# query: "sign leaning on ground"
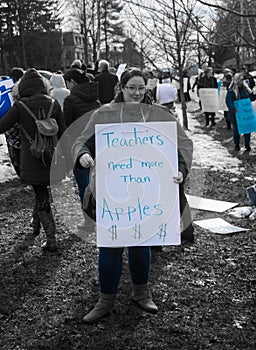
[[137, 202], [5, 96]]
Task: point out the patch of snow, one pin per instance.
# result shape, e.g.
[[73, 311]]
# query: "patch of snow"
[[7, 171]]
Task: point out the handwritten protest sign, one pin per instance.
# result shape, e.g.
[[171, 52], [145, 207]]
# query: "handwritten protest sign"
[[222, 99], [209, 99], [245, 116], [137, 203], [5, 96]]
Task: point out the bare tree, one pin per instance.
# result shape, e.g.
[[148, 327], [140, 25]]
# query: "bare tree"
[[169, 29]]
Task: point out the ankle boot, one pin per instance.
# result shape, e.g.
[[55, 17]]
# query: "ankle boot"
[[103, 307], [35, 221], [142, 297], [247, 147], [47, 220]]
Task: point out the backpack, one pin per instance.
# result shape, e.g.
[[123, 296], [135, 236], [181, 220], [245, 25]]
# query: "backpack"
[[46, 138]]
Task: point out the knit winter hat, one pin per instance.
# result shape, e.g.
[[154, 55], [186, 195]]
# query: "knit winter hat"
[[31, 84]]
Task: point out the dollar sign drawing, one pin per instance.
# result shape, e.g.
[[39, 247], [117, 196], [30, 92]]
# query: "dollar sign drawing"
[[113, 231], [137, 233], [162, 232]]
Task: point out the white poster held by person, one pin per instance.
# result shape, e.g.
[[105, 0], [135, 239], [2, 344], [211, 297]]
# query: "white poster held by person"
[[137, 202], [120, 70], [6, 100], [209, 99], [222, 99]]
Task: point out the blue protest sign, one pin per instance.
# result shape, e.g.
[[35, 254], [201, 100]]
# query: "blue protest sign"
[[5, 96], [245, 116]]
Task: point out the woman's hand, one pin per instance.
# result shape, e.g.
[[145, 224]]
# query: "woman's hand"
[[86, 160], [178, 179]]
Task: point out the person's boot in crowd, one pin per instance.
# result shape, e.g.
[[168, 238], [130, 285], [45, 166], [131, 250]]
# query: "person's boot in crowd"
[[103, 307], [142, 297], [228, 124], [247, 147], [48, 223], [35, 221], [207, 120]]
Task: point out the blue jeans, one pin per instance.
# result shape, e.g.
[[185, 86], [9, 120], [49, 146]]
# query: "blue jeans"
[[82, 179], [111, 262]]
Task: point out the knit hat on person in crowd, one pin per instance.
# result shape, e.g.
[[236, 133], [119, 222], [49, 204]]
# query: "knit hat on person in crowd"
[[31, 84]]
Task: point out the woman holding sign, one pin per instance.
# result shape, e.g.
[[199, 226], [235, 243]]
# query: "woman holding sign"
[[238, 90], [134, 110]]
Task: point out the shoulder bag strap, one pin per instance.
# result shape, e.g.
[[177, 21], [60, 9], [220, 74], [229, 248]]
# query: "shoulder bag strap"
[[30, 140], [27, 109], [50, 110]]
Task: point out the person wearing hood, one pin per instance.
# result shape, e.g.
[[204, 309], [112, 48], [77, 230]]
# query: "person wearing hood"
[[59, 90], [33, 92], [81, 102]]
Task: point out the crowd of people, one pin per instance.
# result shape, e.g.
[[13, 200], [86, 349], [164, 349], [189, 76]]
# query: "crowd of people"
[[238, 85], [86, 94]]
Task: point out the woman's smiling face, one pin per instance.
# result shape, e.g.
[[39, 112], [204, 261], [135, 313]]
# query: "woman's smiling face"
[[134, 90]]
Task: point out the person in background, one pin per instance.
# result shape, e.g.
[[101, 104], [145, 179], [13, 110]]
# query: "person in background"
[[237, 90], [165, 93], [83, 98], [76, 64], [127, 108], [186, 86], [107, 82], [33, 92], [248, 78], [207, 80], [59, 90], [225, 82], [12, 135], [152, 81]]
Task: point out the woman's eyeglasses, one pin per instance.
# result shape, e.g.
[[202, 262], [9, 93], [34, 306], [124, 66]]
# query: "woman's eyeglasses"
[[133, 89]]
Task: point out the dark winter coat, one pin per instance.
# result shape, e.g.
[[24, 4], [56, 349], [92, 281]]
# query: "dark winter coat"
[[231, 98], [33, 92], [107, 83], [205, 82], [82, 99]]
